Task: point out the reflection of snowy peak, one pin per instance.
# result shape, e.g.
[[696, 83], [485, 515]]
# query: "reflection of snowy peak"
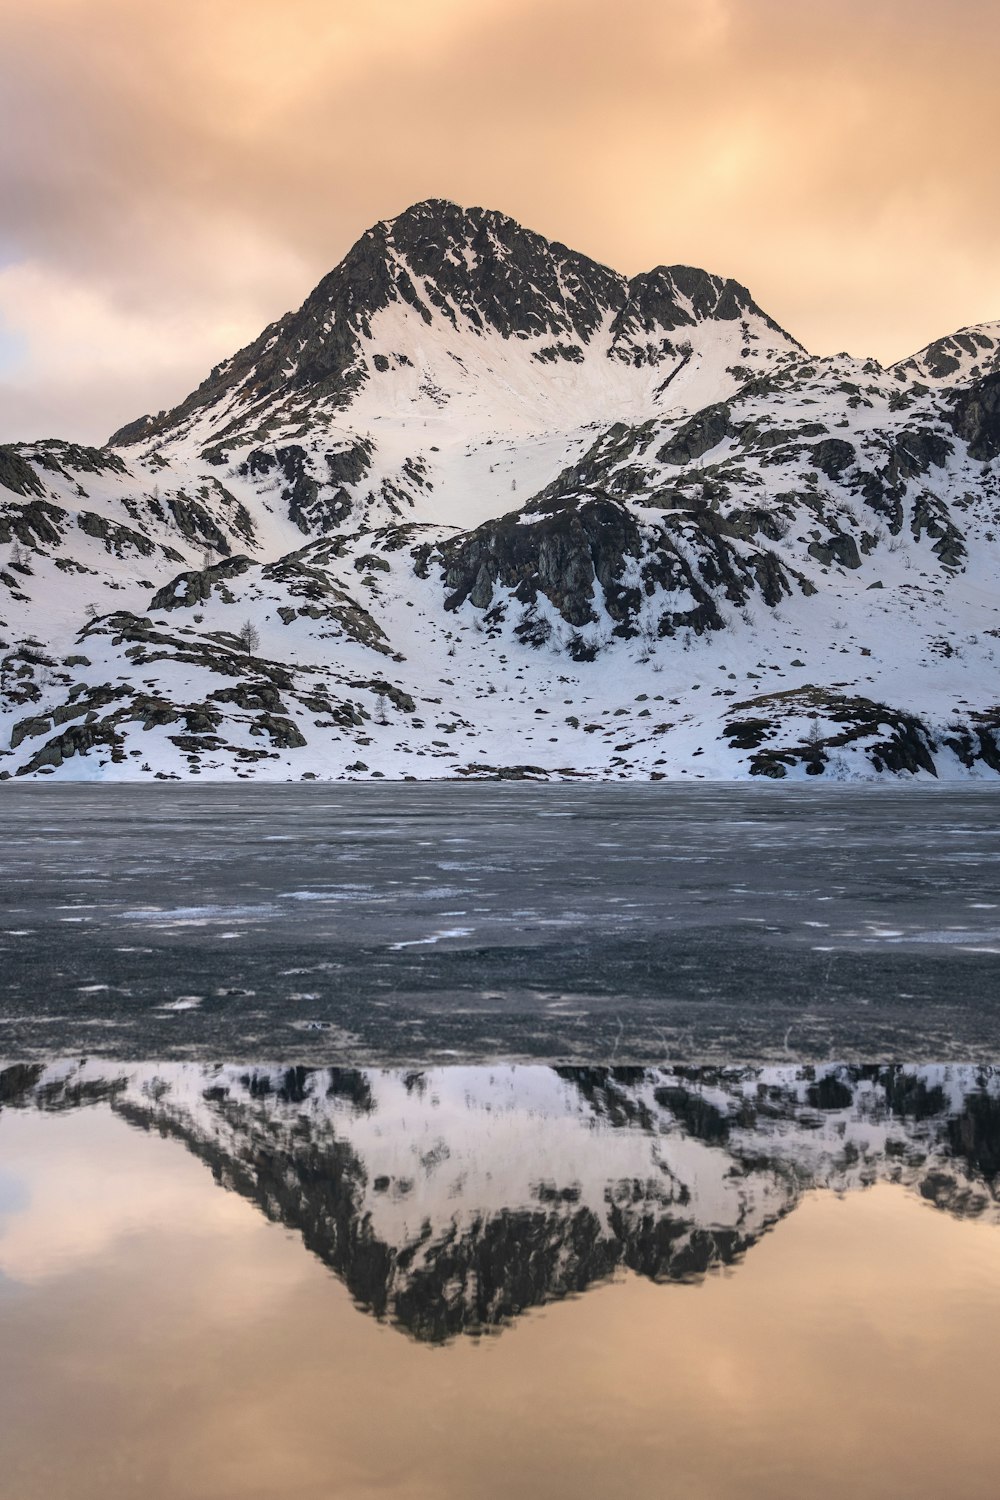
[[478, 480], [451, 1200]]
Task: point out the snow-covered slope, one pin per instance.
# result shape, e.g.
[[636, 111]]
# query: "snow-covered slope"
[[966, 355], [450, 1201], [487, 507]]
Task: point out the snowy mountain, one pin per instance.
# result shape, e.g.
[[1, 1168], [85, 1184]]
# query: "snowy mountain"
[[453, 1200], [482, 506], [967, 355]]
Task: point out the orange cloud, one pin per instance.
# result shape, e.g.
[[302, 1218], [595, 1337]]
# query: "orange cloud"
[[200, 166]]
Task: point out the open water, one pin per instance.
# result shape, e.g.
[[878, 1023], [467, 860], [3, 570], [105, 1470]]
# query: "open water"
[[416, 923]]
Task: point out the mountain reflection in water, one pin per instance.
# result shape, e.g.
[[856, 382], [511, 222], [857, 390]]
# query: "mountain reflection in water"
[[450, 1201]]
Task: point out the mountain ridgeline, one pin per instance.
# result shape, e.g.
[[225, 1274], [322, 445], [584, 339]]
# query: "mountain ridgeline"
[[474, 271], [483, 507]]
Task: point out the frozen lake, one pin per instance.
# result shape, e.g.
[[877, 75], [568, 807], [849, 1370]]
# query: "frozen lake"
[[413, 923]]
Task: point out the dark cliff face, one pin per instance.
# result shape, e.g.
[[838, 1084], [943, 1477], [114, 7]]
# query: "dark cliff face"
[[976, 416], [483, 268], [574, 551], [473, 268]]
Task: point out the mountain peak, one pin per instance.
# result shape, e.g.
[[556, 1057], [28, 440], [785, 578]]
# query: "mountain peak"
[[472, 464], [472, 274], [969, 354]]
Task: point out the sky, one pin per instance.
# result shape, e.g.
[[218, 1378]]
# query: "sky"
[[175, 174]]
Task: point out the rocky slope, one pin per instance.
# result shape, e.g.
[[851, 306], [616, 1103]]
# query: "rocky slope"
[[452, 1201], [482, 506]]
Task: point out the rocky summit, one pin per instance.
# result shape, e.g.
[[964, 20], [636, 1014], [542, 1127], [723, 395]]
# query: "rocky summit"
[[482, 507]]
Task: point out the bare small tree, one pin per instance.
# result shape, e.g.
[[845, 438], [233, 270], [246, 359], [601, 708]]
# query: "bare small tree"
[[249, 637]]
